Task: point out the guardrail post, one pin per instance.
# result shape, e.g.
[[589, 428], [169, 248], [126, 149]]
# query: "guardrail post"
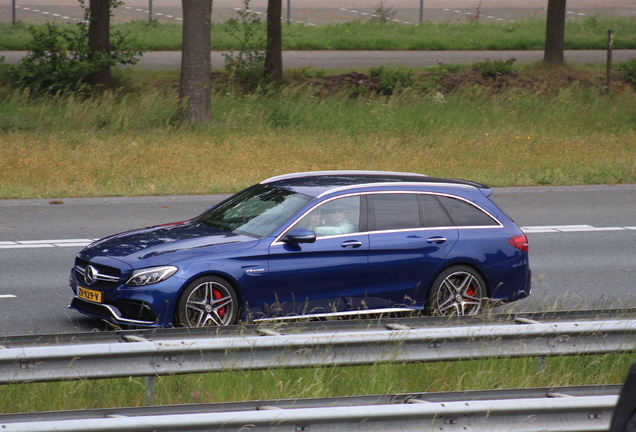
[[610, 43], [150, 390], [541, 364], [624, 418]]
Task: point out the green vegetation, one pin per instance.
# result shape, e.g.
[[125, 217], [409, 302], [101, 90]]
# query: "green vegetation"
[[490, 68], [49, 67], [628, 71], [322, 381], [586, 33]]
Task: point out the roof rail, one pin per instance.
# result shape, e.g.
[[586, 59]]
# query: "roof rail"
[[344, 188], [335, 173]]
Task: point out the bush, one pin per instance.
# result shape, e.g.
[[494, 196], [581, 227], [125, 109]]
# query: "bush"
[[628, 70], [250, 33], [493, 68], [60, 59], [49, 66], [390, 81]]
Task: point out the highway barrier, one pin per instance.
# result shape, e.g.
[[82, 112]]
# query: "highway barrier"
[[331, 343], [574, 409], [271, 345]]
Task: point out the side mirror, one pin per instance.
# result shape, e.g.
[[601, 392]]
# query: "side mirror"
[[300, 235]]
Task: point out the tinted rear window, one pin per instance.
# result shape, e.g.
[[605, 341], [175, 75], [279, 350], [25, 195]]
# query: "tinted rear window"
[[396, 211], [433, 214], [465, 214]]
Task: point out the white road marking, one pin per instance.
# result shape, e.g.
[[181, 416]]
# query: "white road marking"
[[535, 229], [571, 228], [25, 244], [7, 296]]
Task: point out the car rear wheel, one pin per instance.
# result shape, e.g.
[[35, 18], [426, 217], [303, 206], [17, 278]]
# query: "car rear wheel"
[[207, 301], [458, 290]]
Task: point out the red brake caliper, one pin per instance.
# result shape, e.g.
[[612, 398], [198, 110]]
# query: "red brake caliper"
[[216, 294]]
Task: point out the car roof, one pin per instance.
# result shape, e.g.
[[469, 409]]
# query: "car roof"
[[315, 183]]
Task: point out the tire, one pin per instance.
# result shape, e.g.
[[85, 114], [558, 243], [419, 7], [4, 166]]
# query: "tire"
[[207, 301], [458, 290]]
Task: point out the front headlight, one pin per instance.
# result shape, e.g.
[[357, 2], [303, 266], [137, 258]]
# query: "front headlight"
[[151, 275]]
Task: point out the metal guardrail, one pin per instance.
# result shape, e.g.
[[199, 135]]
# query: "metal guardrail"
[[328, 343], [172, 351], [582, 408]]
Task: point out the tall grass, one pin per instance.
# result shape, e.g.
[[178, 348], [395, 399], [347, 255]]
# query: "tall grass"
[[580, 33], [324, 381], [130, 143]]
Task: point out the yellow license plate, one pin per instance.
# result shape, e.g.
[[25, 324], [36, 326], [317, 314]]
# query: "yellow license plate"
[[90, 295]]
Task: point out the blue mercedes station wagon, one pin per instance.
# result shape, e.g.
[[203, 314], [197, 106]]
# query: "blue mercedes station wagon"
[[312, 245]]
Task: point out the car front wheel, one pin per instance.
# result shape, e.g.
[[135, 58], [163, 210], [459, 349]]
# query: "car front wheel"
[[207, 301], [458, 290]]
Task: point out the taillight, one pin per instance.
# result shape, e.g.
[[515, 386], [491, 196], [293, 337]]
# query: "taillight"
[[519, 241]]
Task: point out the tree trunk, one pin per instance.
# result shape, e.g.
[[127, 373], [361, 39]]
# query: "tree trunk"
[[274, 49], [195, 98], [99, 41], [555, 33]]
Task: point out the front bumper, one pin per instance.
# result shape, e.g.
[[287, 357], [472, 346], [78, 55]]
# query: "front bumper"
[[112, 313]]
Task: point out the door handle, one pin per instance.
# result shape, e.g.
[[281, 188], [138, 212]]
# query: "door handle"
[[436, 240], [351, 244]]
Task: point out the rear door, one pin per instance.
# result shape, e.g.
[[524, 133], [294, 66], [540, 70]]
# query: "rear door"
[[410, 235]]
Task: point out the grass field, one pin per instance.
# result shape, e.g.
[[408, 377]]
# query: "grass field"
[[541, 127], [587, 33]]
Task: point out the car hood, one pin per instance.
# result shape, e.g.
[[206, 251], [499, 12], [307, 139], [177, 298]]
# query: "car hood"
[[152, 242]]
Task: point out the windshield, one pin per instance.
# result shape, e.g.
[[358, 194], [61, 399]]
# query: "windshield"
[[256, 211]]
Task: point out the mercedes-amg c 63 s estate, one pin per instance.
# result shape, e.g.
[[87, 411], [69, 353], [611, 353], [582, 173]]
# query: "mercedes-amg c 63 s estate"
[[312, 245]]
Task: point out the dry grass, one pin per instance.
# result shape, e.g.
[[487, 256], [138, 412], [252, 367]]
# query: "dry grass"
[[183, 163], [564, 131]]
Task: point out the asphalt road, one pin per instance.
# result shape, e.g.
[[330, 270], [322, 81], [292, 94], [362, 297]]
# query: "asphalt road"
[[581, 241], [366, 59]]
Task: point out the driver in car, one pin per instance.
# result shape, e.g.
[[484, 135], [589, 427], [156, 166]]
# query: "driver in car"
[[335, 222]]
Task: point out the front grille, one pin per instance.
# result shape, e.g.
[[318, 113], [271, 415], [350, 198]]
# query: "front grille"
[[95, 309], [104, 278]]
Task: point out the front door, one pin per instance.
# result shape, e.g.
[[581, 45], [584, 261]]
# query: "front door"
[[325, 276]]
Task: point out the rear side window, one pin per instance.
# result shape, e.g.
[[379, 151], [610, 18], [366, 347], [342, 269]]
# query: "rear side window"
[[464, 214], [396, 211]]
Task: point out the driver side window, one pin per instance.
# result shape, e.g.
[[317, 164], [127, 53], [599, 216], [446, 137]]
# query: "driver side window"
[[340, 216]]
